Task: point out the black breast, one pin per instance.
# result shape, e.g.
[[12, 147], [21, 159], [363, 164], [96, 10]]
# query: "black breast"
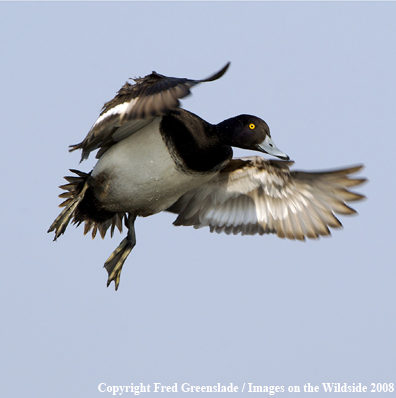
[[193, 143]]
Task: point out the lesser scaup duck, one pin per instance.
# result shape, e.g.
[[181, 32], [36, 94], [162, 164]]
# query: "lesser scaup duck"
[[155, 156]]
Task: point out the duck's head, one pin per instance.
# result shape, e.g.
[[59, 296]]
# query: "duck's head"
[[249, 132]]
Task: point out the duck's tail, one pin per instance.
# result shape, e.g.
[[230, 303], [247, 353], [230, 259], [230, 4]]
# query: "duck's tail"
[[75, 191], [78, 212]]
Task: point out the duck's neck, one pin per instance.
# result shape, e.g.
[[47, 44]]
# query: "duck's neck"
[[193, 142]]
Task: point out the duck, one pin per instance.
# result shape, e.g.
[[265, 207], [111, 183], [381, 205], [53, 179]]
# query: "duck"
[[155, 156]]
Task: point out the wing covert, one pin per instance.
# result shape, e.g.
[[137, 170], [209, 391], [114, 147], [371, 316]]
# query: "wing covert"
[[258, 196]]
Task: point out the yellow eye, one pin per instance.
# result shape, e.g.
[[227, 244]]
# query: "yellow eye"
[[252, 126]]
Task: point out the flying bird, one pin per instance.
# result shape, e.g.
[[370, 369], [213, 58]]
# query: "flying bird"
[[154, 156]]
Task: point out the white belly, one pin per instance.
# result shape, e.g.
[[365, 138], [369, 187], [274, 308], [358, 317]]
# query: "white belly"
[[139, 175]]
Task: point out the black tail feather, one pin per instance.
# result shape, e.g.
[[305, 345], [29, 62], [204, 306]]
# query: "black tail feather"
[[76, 190]]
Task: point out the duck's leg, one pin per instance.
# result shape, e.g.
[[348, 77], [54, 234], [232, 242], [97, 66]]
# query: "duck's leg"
[[116, 260]]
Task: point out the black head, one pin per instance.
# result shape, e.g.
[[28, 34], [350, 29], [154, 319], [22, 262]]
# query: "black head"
[[249, 132]]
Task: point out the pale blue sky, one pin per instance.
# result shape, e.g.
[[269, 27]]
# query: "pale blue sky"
[[193, 306]]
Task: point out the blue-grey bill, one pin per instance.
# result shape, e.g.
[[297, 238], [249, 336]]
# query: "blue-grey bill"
[[269, 147]]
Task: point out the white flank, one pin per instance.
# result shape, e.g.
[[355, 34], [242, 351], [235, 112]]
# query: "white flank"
[[142, 176]]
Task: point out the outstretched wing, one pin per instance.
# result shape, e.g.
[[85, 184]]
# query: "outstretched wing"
[[254, 195], [135, 106]]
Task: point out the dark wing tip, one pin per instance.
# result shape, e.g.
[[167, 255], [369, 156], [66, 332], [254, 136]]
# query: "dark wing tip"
[[217, 75]]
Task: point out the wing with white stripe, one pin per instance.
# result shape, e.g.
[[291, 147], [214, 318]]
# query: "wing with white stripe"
[[253, 195], [135, 106]]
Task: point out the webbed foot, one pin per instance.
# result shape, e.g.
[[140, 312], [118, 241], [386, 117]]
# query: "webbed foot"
[[116, 260]]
